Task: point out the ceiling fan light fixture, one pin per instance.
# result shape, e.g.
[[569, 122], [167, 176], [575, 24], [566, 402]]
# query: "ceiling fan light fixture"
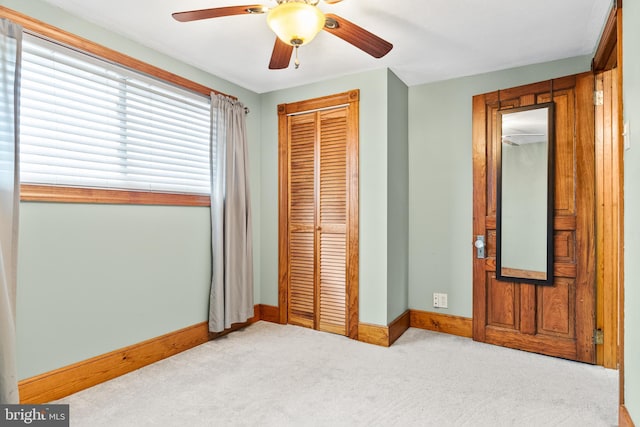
[[296, 22]]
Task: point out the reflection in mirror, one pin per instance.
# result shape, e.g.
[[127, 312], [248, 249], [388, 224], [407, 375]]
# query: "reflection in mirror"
[[525, 195]]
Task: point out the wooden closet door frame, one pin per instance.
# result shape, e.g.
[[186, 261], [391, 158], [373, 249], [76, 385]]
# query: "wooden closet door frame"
[[350, 99]]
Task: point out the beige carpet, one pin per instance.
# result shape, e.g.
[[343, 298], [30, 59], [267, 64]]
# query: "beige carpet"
[[273, 375]]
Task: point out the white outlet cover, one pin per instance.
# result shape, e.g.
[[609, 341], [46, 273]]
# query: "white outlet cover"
[[443, 301], [439, 300]]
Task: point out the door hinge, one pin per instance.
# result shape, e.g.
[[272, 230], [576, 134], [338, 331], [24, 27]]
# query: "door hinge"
[[598, 97], [598, 337]]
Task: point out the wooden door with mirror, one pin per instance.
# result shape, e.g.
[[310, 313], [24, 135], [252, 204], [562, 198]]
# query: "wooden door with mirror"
[[557, 319]]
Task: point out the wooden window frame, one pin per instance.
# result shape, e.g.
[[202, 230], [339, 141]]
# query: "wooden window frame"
[[59, 194], [64, 194]]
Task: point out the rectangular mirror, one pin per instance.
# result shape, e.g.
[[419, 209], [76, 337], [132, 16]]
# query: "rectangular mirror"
[[524, 239]]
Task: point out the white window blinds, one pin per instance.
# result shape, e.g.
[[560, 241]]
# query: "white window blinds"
[[90, 123]]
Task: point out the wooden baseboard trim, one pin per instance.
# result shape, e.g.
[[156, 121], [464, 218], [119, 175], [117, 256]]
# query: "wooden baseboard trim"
[[269, 313], [79, 376], [454, 325], [234, 327], [373, 334], [399, 326], [384, 335], [624, 418], [70, 379]]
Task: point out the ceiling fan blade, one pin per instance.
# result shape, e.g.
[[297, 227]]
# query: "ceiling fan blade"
[[281, 55], [357, 36], [217, 12]]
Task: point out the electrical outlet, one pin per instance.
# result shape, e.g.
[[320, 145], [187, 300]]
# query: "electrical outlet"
[[440, 300], [443, 301]]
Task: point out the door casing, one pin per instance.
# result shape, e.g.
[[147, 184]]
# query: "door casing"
[[350, 99]]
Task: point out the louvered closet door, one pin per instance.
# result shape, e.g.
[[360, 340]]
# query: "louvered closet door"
[[302, 204], [318, 220], [332, 221]]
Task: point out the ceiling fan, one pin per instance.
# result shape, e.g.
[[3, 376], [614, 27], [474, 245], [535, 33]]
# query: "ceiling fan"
[[297, 22]]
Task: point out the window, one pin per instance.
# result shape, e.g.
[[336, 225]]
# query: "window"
[[86, 122]]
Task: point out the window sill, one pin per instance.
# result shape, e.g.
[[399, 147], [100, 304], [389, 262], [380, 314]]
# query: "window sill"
[[56, 194]]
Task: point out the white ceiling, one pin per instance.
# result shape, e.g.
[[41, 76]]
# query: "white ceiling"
[[433, 39]]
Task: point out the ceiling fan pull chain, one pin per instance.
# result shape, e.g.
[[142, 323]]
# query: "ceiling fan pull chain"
[[297, 62]]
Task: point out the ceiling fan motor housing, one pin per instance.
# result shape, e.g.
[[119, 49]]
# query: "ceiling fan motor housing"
[[296, 22]]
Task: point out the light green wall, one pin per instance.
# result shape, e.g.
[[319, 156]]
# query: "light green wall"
[[631, 97], [398, 202], [82, 299], [373, 186], [440, 180], [94, 278]]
